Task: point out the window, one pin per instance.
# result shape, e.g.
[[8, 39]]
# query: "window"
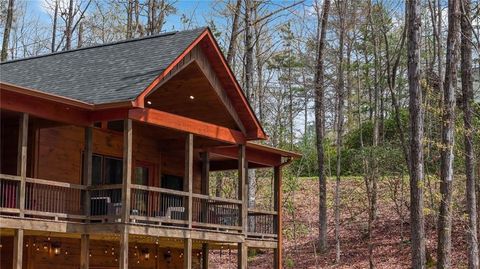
[[141, 175], [106, 170], [172, 182]]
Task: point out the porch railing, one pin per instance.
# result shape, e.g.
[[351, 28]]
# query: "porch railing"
[[9, 193], [214, 212], [153, 205], [106, 202], [158, 205], [54, 199], [262, 223]]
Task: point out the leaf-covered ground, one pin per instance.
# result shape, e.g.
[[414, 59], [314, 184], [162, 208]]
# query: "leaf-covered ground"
[[390, 237]]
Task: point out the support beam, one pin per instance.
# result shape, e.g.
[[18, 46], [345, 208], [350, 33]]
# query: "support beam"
[[205, 252], [187, 253], [18, 249], [253, 155], [123, 260], [22, 159], [189, 175], [242, 252], [205, 181], [85, 251], [277, 173], [87, 167], [184, 124], [205, 173], [127, 169], [242, 187]]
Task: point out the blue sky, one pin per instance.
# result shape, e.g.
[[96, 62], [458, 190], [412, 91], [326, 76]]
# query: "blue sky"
[[187, 7]]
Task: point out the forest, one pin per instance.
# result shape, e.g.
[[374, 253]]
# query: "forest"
[[381, 98]]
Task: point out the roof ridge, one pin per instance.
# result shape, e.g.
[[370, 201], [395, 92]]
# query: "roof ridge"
[[102, 45]]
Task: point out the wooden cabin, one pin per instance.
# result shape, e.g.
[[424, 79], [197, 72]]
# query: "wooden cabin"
[[107, 155]]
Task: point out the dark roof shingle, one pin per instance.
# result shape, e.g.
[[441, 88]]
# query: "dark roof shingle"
[[101, 74]]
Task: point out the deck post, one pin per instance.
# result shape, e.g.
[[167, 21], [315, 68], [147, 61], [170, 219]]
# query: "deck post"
[[123, 261], [205, 181], [206, 173], [84, 251], [189, 176], [205, 252], [22, 160], [242, 187], [127, 170], [18, 249], [242, 252], [187, 253], [87, 168], [277, 173], [126, 191]]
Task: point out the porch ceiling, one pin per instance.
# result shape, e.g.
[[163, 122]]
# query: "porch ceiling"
[[190, 94]]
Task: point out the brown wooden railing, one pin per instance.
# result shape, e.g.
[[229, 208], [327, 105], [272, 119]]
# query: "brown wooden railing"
[[262, 223], [54, 199], [153, 205], [105, 201], [215, 212], [9, 192], [158, 205]]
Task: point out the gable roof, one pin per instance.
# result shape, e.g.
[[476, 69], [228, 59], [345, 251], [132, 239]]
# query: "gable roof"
[[124, 72], [108, 73]]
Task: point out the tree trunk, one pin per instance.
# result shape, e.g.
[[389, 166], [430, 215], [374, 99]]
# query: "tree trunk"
[[341, 6], [80, 35], [7, 29], [320, 127], [54, 26], [233, 36], [467, 100], [129, 33], [69, 28], [249, 6], [448, 126], [416, 137]]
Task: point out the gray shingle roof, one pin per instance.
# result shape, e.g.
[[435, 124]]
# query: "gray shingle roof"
[[101, 74]]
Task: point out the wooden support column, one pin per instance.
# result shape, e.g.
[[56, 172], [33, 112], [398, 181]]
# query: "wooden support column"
[[206, 173], [242, 187], [189, 176], [205, 181], [22, 160], [187, 253], [18, 249], [85, 251], [127, 170], [87, 168], [123, 261], [277, 173], [205, 252], [242, 252]]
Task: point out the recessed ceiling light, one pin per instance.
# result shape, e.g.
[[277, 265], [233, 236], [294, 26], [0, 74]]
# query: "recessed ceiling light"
[[192, 97], [149, 102]]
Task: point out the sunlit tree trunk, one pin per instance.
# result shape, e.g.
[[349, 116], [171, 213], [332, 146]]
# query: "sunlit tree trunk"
[[416, 137], [467, 100], [320, 126], [7, 29]]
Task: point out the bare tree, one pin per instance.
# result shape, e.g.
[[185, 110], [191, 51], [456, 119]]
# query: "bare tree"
[[69, 28], [232, 45], [54, 25], [320, 124], [7, 29], [448, 126], [467, 100], [416, 136], [341, 9]]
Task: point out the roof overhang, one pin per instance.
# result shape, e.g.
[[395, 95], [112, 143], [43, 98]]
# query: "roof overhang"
[[211, 49]]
